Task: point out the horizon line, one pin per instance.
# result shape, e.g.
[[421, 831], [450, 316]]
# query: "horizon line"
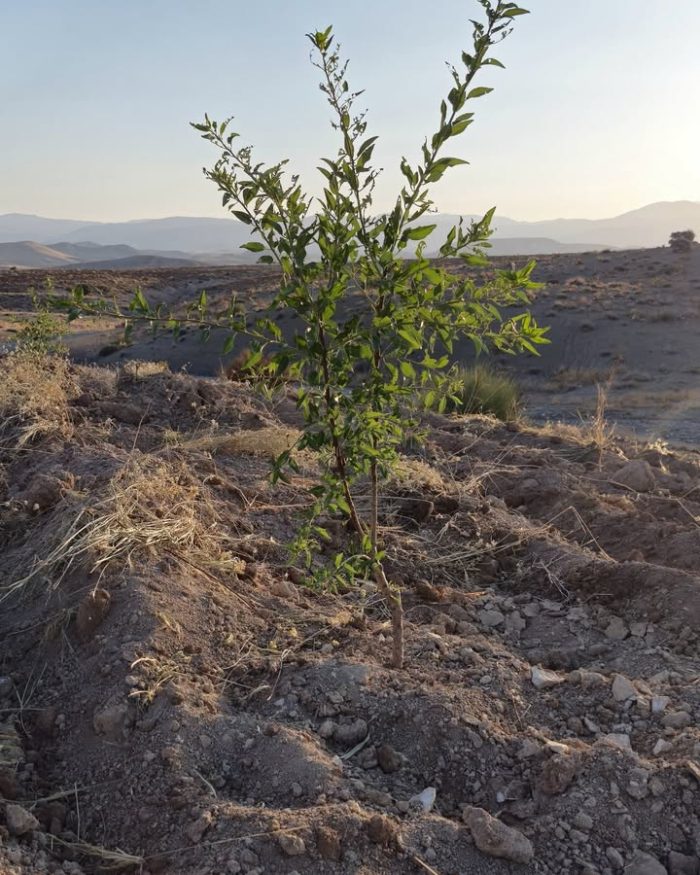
[[437, 212]]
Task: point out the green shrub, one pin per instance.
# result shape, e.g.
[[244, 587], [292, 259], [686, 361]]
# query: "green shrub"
[[478, 389], [335, 249], [42, 335]]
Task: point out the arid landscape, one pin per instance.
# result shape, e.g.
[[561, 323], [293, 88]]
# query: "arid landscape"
[[174, 697], [627, 320], [349, 438]]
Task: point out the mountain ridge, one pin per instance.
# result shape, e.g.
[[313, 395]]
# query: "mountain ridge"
[[194, 236]]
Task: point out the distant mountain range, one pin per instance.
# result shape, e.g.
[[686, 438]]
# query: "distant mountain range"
[[36, 241], [30, 254]]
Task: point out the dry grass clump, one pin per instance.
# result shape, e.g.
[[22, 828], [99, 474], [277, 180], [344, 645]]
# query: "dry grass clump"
[[416, 473], [268, 442], [138, 370], [34, 393], [600, 431], [151, 507], [96, 380]]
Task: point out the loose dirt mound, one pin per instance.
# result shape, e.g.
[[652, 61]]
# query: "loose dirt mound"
[[174, 699]]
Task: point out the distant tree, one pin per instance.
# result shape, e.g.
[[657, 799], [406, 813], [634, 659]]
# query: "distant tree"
[[681, 241]]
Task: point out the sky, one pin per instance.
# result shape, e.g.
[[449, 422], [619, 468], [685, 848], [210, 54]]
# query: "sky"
[[595, 114]]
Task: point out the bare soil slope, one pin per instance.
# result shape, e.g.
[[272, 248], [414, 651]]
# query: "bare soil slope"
[[174, 698]]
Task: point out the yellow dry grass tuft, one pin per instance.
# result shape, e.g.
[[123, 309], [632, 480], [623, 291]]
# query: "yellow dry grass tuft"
[[416, 473], [268, 442], [599, 429], [138, 370], [152, 506], [34, 393]]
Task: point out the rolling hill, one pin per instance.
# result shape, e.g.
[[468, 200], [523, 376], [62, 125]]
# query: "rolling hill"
[[30, 254]]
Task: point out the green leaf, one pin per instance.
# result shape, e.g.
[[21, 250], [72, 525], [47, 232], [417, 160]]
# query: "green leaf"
[[419, 233], [479, 92], [441, 165], [411, 336], [253, 246]]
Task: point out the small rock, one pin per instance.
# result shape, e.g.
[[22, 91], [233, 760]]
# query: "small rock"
[[515, 623], [583, 821], [327, 728], [529, 748], [617, 629], [577, 614], [659, 704], [424, 800], [623, 688], [389, 760], [542, 679], [351, 733], [111, 722], [657, 787], [292, 844], [637, 787], [644, 864], [662, 746], [195, 830], [677, 720], [19, 820], [495, 838], [491, 619], [637, 475], [615, 858]]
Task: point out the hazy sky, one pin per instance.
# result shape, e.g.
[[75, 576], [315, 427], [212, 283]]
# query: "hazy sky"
[[597, 112]]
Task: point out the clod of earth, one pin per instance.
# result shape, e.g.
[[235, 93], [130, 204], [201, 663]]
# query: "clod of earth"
[[495, 838], [19, 820]]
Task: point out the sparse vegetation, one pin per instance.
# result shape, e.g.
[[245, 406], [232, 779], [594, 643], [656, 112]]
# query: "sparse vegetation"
[[476, 389], [42, 334], [682, 241]]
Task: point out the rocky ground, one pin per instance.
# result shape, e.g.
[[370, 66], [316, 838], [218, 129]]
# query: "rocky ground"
[[175, 698]]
